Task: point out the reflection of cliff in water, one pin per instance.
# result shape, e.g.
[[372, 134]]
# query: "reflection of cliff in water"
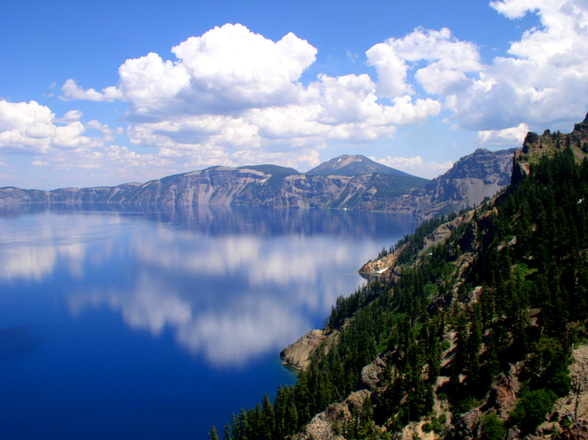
[[220, 220]]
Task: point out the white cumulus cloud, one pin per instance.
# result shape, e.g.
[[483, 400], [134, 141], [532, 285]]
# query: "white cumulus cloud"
[[540, 80], [32, 127], [231, 90], [447, 61], [507, 136], [227, 69], [537, 82], [71, 91], [232, 65]]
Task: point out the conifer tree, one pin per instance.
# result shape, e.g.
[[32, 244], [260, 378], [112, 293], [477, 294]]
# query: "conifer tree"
[[213, 435]]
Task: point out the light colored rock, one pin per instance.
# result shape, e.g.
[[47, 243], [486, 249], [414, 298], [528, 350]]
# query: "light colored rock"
[[297, 355], [575, 405], [321, 425], [370, 374], [319, 428]]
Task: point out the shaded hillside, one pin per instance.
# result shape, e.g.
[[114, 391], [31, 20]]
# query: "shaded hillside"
[[477, 331]]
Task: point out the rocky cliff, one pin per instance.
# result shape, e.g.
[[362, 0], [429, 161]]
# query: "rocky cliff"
[[548, 144], [473, 178], [348, 182]]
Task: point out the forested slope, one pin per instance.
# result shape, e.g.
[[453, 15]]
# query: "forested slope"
[[470, 335]]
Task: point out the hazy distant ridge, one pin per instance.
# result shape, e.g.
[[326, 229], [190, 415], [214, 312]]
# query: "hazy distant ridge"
[[345, 182]]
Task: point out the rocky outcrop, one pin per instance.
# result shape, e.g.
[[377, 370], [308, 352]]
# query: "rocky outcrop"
[[503, 394], [297, 355], [385, 266], [467, 426], [330, 424], [371, 374], [379, 267], [535, 146]]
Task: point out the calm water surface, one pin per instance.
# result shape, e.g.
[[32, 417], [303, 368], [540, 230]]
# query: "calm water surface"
[[157, 325]]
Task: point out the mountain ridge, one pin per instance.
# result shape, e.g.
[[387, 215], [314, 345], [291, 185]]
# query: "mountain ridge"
[[351, 184], [354, 165]]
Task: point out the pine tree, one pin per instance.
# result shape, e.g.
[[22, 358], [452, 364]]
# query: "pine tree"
[[212, 435], [227, 432]]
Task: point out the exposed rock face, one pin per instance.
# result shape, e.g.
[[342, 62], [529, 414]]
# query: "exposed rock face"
[[577, 432], [348, 183], [385, 266], [231, 186], [467, 426], [548, 144], [504, 393], [329, 424], [321, 426], [474, 177], [568, 420], [444, 231], [380, 267], [371, 374], [574, 406], [297, 354]]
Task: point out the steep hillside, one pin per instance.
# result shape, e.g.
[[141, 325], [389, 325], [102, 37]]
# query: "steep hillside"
[[549, 144], [473, 178], [477, 330]]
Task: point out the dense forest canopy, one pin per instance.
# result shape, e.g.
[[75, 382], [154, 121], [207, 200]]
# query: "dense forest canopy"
[[506, 291]]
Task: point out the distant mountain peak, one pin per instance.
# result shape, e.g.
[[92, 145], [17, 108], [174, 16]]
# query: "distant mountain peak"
[[355, 165]]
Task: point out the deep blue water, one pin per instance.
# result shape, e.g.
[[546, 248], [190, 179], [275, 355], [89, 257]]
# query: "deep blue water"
[[157, 325]]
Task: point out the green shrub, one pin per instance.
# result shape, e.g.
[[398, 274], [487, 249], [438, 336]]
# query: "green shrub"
[[492, 428], [531, 410]]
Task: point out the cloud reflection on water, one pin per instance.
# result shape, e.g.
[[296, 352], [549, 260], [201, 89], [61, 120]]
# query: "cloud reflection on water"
[[34, 251], [229, 286], [232, 336]]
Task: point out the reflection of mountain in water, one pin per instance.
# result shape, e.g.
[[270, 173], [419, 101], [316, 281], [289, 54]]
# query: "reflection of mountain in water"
[[222, 220]]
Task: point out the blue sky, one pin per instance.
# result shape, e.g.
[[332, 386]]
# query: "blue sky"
[[101, 93]]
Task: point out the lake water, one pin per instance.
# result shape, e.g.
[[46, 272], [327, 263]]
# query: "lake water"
[[157, 325]]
